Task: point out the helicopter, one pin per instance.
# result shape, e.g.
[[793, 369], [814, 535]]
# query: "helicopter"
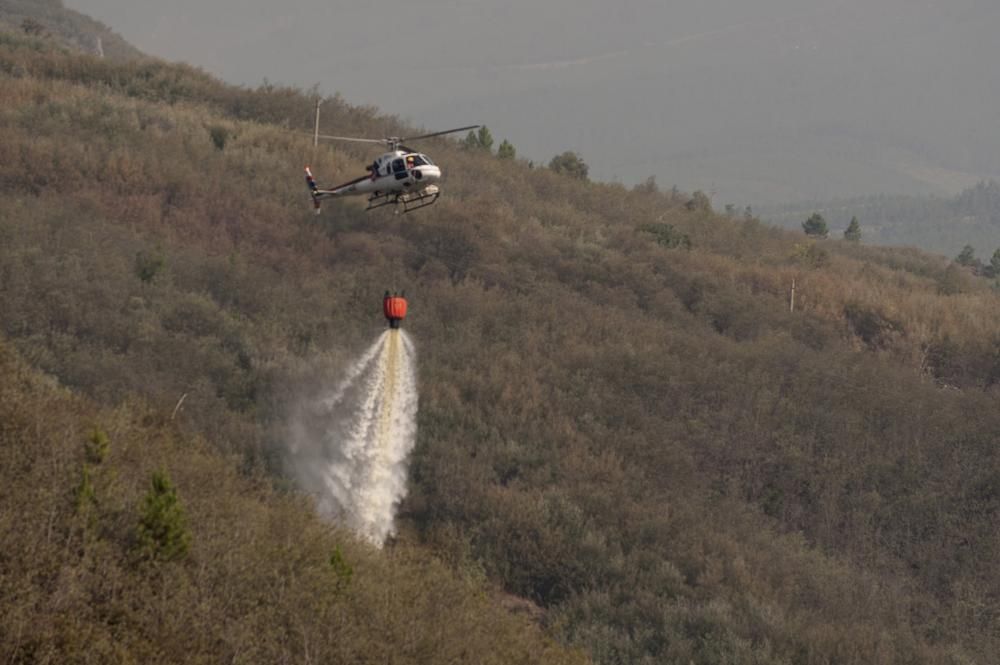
[[401, 176]]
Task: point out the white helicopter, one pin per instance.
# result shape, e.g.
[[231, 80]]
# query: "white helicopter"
[[400, 176]]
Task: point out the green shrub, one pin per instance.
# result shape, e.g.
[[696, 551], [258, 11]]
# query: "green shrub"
[[162, 532]]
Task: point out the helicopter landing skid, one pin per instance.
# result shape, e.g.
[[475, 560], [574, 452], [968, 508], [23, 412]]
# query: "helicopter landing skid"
[[410, 200]]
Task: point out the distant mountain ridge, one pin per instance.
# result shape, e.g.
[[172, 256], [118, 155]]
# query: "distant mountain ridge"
[[936, 224]]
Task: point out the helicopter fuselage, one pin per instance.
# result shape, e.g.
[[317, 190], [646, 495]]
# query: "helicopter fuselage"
[[393, 172], [400, 176]]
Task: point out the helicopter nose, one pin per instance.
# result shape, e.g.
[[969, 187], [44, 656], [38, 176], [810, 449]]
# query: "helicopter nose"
[[430, 173]]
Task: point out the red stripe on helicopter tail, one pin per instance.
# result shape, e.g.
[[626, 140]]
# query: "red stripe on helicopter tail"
[[310, 180]]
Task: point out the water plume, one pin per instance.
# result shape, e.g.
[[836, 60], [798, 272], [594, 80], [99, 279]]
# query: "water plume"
[[350, 441]]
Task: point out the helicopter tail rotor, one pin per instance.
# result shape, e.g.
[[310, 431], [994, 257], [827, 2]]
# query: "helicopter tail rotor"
[[313, 189]]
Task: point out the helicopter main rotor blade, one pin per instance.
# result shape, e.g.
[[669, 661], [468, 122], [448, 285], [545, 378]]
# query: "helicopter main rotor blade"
[[350, 138], [447, 131]]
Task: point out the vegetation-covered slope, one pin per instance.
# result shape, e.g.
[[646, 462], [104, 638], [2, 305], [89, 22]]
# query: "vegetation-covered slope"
[[52, 19], [262, 581], [620, 421]]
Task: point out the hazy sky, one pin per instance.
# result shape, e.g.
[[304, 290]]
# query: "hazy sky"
[[755, 100]]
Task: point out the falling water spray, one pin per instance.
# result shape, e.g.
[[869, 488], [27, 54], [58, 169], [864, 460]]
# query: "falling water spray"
[[350, 442]]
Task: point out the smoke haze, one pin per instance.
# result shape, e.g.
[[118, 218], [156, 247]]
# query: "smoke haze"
[[756, 100]]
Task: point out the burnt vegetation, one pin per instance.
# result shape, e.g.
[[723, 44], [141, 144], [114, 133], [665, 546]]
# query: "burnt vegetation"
[[625, 434]]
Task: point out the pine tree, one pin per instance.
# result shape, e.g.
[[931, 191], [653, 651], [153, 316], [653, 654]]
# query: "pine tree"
[[342, 570], [470, 142], [485, 139], [995, 263], [853, 231], [648, 186], [570, 163], [148, 265], [86, 496], [481, 140], [162, 531], [506, 150], [699, 201], [96, 449], [97, 446], [816, 226], [967, 257]]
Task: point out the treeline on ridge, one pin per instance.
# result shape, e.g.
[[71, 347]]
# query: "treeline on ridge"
[[935, 224]]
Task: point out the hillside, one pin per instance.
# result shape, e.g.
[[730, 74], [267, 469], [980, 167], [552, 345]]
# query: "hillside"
[[934, 224], [52, 19], [621, 424], [263, 582]]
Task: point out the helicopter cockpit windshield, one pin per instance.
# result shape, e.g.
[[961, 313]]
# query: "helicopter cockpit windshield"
[[418, 160]]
